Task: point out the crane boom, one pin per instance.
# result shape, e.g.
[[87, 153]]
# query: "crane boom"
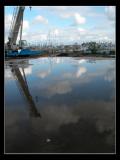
[[22, 49], [15, 26]]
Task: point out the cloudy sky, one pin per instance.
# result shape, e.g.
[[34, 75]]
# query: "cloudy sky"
[[66, 24]]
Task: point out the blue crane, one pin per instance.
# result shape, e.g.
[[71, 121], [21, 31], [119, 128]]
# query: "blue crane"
[[11, 48]]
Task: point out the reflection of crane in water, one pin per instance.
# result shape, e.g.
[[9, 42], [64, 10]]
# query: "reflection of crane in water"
[[24, 87]]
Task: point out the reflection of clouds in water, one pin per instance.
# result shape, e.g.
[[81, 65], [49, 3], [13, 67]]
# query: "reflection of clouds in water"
[[8, 75], [27, 70], [81, 61], [67, 80], [58, 116], [105, 117], [101, 71], [76, 74], [110, 139], [54, 116], [107, 125], [100, 114], [78, 61], [53, 60], [58, 60], [107, 73], [13, 117], [104, 124], [80, 71], [67, 75], [109, 78], [43, 74], [110, 75], [61, 87]]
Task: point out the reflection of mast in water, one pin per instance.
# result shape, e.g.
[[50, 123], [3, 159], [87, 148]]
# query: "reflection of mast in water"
[[91, 61], [24, 87]]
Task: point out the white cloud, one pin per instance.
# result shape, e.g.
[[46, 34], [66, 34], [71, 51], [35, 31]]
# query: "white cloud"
[[35, 36], [77, 34], [65, 15], [79, 19], [43, 36], [72, 33], [82, 31], [40, 19], [26, 25], [56, 32], [66, 11], [8, 21], [110, 12]]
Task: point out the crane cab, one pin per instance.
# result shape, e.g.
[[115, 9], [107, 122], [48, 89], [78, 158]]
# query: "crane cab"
[[23, 44]]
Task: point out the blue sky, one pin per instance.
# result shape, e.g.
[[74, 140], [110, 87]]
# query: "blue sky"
[[66, 24]]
